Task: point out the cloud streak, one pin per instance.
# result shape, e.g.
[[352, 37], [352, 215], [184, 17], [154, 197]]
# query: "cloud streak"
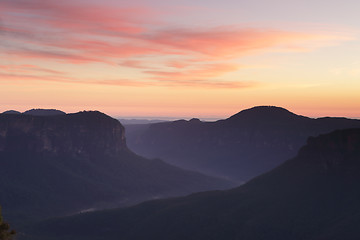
[[73, 16], [231, 42], [200, 71], [205, 83], [69, 33], [27, 68]]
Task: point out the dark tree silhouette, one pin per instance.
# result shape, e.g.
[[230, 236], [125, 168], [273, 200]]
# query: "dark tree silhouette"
[[5, 232]]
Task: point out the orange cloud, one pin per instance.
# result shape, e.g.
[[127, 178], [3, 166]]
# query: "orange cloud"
[[208, 83], [7, 77], [21, 73], [230, 42], [27, 68], [200, 71], [135, 64], [127, 82]]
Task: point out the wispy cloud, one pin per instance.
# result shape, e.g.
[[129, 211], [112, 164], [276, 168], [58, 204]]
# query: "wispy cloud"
[[203, 83], [135, 64], [70, 33], [27, 68], [232, 41], [199, 71], [74, 16], [49, 55]]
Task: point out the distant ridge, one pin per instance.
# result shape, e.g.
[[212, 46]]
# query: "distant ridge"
[[11, 112], [240, 147], [265, 113], [135, 121], [44, 112]]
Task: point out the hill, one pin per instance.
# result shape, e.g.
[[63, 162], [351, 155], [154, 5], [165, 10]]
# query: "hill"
[[44, 112], [63, 164], [11, 112], [241, 147], [314, 196]]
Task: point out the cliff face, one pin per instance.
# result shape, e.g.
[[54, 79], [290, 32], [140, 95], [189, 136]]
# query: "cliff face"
[[333, 152], [58, 165], [84, 133]]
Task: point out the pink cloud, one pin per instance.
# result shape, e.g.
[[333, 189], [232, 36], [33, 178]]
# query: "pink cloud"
[[81, 34], [6, 77], [68, 32], [18, 77], [28, 75], [216, 84], [109, 31], [27, 68], [108, 49], [177, 64], [135, 64], [73, 16], [230, 42], [200, 71], [64, 56]]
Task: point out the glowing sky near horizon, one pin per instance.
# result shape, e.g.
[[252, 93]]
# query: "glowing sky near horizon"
[[175, 58]]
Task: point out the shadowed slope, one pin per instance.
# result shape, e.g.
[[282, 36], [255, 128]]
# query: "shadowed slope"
[[313, 196], [58, 165]]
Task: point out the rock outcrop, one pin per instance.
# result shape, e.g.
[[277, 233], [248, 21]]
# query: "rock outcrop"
[[84, 133]]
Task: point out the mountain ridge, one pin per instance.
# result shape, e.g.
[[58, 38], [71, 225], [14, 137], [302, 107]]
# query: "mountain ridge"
[[240, 147], [301, 199], [260, 112], [44, 112]]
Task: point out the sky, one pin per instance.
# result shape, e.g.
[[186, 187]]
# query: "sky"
[[181, 58]]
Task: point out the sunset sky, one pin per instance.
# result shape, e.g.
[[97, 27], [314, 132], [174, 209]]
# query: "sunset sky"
[[181, 58]]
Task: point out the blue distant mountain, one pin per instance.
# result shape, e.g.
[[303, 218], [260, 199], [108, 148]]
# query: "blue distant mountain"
[[241, 147]]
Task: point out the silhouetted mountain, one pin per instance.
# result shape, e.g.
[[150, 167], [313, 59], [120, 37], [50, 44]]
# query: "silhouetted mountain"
[[44, 112], [261, 113], [314, 196], [11, 112], [63, 164], [241, 147]]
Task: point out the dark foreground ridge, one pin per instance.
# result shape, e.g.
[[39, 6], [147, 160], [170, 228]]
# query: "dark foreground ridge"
[[313, 196], [62, 164], [247, 144]]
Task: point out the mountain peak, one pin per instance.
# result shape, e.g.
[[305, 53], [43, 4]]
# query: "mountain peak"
[[11, 112], [271, 113], [195, 120], [44, 112], [92, 115]]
